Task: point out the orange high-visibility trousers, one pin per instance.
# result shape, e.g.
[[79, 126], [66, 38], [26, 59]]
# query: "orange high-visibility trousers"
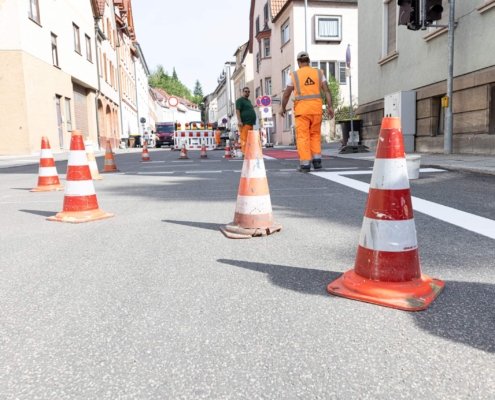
[[217, 137], [308, 135], [244, 134]]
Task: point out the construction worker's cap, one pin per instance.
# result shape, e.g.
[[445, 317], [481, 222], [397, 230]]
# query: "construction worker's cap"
[[302, 56]]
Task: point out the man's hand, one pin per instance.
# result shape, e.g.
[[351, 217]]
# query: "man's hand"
[[282, 113], [331, 113], [240, 124]]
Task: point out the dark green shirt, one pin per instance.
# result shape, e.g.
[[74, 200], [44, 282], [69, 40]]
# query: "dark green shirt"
[[248, 115]]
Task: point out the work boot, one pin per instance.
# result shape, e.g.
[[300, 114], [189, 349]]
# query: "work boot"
[[317, 164], [304, 168]]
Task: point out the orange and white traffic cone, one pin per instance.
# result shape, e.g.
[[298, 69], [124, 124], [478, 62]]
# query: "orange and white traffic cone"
[[203, 151], [228, 152], [253, 212], [237, 149], [110, 165], [90, 155], [47, 173], [80, 202], [146, 156], [387, 270], [183, 153]]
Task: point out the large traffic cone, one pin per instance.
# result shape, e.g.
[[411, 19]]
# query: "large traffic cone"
[[203, 151], [228, 152], [253, 212], [47, 173], [110, 165], [90, 155], [183, 153], [80, 202], [387, 270], [146, 156]]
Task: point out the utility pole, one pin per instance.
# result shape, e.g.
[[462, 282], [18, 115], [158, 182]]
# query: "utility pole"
[[306, 26], [449, 117]]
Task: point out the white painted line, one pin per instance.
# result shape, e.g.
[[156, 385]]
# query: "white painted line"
[[153, 173], [180, 161], [268, 157], [210, 161], [203, 172], [236, 160], [462, 219], [156, 161]]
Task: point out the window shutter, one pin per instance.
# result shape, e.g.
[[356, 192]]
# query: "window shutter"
[[342, 69]]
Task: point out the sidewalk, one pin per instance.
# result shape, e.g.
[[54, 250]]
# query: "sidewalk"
[[458, 162], [34, 159]]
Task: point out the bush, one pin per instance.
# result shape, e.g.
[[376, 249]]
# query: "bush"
[[343, 113], [334, 87]]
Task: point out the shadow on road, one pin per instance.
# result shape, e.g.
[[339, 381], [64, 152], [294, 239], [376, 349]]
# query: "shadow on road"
[[20, 188], [463, 313], [42, 213], [202, 225]]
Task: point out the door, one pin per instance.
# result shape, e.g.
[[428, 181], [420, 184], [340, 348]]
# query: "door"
[[59, 121]]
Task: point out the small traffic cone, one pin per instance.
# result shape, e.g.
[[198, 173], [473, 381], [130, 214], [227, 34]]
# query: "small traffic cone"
[[237, 149], [183, 153], [110, 165], [90, 155], [387, 270], [228, 152], [146, 156], [253, 212], [47, 173], [80, 202], [203, 151]]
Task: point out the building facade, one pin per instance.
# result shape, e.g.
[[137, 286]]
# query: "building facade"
[[242, 77], [48, 75], [392, 59]]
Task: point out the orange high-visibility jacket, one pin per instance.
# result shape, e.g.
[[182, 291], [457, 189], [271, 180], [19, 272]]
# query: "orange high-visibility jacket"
[[307, 83]]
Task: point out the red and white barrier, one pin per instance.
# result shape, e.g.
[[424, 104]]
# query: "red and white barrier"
[[193, 139]]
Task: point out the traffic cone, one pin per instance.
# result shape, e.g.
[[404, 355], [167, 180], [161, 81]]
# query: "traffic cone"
[[90, 155], [228, 153], [183, 153], [80, 202], [47, 173], [203, 151], [237, 149], [146, 156], [109, 160], [387, 270], [253, 212]]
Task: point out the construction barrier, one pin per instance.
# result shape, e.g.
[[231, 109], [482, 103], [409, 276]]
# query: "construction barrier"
[[193, 139]]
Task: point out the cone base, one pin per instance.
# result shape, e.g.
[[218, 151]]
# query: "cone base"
[[203, 157], [78, 217], [48, 188], [414, 295], [236, 232], [109, 171], [96, 177]]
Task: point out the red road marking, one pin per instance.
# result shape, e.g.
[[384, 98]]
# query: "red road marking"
[[284, 154]]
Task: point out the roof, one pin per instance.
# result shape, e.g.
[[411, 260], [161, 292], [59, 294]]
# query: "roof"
[[101, 7], [277, 6], [162, 95]]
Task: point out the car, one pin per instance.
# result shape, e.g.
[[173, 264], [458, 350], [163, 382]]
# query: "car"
[[164, 134]]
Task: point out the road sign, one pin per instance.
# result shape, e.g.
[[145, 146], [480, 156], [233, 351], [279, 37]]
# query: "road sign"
[[348, 56], [224, 120], [266, 112], [173, 101], [268, 124], [266, 101], [276, 100], [258, 102]]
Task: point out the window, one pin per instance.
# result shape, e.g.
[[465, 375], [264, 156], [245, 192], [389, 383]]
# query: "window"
[[389, 28], [258, 61], [332, 68], [34, 10], [285, 33], [285, 77], [342, 73], [101, 63], [257, 25], [54, 50], [258, 92], [68, 118], [89, 55], [288, 120], [77, 41], [268, 86], [266, 45], [265, 12], [328, 28]]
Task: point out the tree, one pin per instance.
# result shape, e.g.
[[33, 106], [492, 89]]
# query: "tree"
[[334, 87], [174, 75], [198, 90], [173, 86]]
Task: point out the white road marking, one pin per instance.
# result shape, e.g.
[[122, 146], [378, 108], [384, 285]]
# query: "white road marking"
[[153, 173], [181, 161], [210, 161], [203, 172], [268, 157], [462, 219]]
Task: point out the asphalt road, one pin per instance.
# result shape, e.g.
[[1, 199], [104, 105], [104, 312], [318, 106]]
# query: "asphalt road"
[[157, 303]]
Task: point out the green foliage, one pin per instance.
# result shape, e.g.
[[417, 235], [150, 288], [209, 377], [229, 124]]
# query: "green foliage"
[[334, 87], [198, 90], [343, 113], [172, 85]]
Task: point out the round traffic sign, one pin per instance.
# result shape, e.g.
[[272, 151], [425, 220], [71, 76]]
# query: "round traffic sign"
[[173, 101], [258, 102], [224, 120], [266, 101]]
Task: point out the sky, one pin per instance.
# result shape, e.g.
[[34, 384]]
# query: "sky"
[[195, 36]]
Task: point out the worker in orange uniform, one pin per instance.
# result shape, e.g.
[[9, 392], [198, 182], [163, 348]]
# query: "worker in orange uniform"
[[246, 116], [307, 83], [217, 137]]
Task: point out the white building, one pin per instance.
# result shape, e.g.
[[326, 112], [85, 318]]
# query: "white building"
[[225, 96], [142, 91]]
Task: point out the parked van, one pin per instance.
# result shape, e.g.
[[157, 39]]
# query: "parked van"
[[164, 134]]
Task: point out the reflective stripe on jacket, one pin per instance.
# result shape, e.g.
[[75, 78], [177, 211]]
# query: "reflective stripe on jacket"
[[307, 83]]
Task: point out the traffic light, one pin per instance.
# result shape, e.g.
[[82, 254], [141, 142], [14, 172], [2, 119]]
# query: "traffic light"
[[434, 10], [409, 13]]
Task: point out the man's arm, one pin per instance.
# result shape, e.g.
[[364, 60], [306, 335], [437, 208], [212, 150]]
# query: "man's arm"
[[285, 99], [328, 96], [238, 113]]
